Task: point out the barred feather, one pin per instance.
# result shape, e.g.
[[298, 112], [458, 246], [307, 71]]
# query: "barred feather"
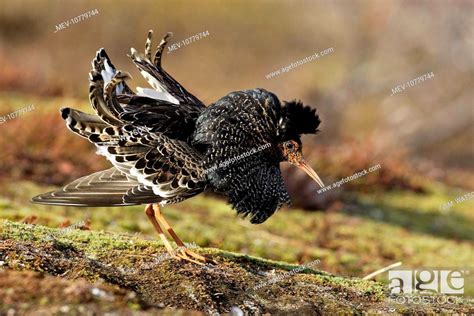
[[166, 146]]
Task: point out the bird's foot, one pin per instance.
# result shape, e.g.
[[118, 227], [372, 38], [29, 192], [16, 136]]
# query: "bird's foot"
[[182, 253], [183, 256], [188, 255]]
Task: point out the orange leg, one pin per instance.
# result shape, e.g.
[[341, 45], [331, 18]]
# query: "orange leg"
[[151, 216], [183, 250], [151, 213]]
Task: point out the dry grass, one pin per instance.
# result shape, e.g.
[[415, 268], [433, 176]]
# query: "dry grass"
[[37, 146]]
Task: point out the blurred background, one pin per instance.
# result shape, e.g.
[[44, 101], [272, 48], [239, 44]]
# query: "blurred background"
[[422, 136]]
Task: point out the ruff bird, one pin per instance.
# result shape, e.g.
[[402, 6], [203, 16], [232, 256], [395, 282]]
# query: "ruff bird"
[[166, 146]]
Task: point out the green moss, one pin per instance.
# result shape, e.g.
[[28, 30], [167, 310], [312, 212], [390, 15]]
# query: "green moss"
[[378, 230], [100, 245], [125, 259]]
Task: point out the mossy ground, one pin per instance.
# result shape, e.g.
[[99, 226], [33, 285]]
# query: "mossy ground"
[[122, 250], [373, 232], [128, 262]]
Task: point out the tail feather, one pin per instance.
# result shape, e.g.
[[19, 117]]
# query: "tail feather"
[[103, 65], [82, 123], [106, 83], [167, 87], [96, 97]]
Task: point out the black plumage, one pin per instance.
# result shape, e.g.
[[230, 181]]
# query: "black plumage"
[[166, 146]]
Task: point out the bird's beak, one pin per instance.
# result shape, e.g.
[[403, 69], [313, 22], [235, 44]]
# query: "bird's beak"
[[306, 168]]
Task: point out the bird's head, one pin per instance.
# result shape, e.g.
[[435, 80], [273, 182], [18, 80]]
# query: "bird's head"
[[292, 152], [297, 119]]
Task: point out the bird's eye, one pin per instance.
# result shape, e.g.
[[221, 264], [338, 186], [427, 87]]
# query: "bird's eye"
[[290, 146]]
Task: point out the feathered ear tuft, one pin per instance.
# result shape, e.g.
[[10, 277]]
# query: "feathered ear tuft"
[[300, 118]]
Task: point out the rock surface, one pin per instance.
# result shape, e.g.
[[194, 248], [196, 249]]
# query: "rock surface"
[[62, 270]]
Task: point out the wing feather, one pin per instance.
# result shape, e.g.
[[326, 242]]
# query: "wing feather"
[[170, 90], [103, 188], [143, 137]]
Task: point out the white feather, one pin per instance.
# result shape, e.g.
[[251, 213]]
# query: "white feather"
[[165, 96], [155, 84], [101, 150], [108, 72]]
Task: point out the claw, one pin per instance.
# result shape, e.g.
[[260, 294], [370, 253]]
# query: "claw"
[[182, 256], [191, 256], [194, 255]]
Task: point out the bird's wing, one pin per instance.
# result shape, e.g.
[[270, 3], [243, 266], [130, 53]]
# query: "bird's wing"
[[103, 188], [169, 168], [165, 87], [137, 136], [116, 104], [166, 167], [149, 166], [176, 121], [238, 135]]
